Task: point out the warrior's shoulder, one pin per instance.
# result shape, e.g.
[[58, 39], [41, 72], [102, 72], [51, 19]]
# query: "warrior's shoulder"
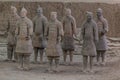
[[72, 18], [64, 17], [93, 21], [18, 21], [28, 20], [18, 17], [49, 23], [104, 20], [35, 17], [44, 17], [58, 22]]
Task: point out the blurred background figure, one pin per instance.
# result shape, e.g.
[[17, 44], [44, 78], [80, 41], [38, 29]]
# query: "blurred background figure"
[[11, 39], [102, 31]]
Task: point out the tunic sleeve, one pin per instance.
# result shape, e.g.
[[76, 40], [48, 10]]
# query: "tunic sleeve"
[[17, 16], [45, 22], [46, 30], [33, 24], [61, 33], [105, 26], [95, 28], [17, 25], [30, 28], [17, 28], [74, 26], [63, 23], [82, 31]]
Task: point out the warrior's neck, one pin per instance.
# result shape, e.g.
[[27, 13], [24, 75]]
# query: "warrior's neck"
[[14, 15], [23, 17], [100, 18], [54, 20], [39, 15], [68, 15]]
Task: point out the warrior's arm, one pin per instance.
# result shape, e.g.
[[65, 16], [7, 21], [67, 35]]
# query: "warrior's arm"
[[46, 33], [74, 27], [17, 29], [17, 16], [45, 22], [82, 31], [61, 32], [33, 24], [63, 23], [31, 28], [95, 28], [105, 26]]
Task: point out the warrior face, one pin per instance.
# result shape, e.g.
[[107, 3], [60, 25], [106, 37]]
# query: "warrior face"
[[23, 12], [39, 11], [68, 12], [89, 16], [53, 16], [99, 12], [13, 10]]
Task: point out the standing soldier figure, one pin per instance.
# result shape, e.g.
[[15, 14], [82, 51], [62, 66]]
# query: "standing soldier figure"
[[39, 24], [102, 30], [24, 47], [11, 34], [53, 33], [69, 28], [89, 35]]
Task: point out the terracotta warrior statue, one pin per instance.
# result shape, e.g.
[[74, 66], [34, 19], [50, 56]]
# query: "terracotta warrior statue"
[[89, 35], [102, 31], [13, 18], [53, 33], [69, 28], [24, 46], [39, 25]]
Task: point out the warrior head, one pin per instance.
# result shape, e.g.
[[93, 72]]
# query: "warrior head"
[[67, 11], [53, 16], [99, 12], [39, 10], [89, 16], [23, 12], [13, 10]]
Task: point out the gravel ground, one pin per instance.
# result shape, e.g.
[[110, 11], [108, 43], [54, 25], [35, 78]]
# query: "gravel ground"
[[97, 1], [9, 71]]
